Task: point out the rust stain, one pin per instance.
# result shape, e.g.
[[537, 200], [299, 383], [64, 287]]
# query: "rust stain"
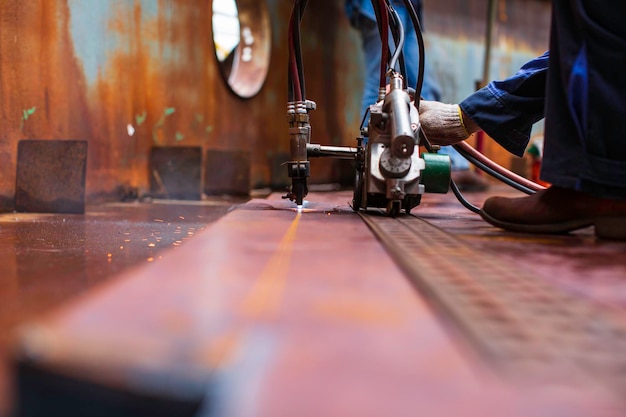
[[158, 61], [38, 70]]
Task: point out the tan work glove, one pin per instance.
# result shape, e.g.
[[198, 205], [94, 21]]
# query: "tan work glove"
[[444, 124]]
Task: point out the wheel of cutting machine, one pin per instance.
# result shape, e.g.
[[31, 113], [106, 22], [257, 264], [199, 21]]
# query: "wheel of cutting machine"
[[410, 202], [393, 208]]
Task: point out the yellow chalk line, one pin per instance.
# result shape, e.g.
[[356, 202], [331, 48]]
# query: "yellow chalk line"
[[265, 297], [262, 301]]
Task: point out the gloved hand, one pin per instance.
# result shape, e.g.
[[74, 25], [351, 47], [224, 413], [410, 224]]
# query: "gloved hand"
[[444, 124]]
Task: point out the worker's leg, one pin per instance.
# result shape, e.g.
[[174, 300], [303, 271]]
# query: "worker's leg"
[[585, 134], [585, 139], [371, 44]]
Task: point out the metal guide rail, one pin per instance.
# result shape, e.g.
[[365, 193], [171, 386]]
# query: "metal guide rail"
[[516, 320]]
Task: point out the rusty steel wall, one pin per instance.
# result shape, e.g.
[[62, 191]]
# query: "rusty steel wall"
[[76, 69], [456, 38], [456, 32]]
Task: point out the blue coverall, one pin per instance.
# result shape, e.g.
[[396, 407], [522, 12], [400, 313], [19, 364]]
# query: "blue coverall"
[[580, 88]]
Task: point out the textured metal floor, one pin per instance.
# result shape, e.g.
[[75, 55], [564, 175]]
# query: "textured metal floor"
[[290, 313], [520, 323]]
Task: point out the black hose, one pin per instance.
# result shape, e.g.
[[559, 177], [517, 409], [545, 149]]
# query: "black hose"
[[398, 33], [426, 143], [296, 44], [493, 173], [296, 68], [293, 84], [399, 38], [420, 44], [462, 200]]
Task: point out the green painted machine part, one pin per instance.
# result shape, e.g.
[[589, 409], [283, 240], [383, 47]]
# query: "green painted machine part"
[[436, 175]]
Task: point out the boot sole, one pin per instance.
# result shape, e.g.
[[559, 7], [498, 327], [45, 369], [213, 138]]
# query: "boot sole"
[[611, 228], [605, 227]]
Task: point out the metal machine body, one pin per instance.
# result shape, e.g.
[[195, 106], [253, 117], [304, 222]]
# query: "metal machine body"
[[391, 163], [390, 172]]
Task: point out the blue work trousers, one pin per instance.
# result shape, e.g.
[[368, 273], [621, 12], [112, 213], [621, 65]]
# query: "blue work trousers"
[[580, 88]]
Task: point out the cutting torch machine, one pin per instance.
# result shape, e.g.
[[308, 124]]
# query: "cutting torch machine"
[[390, 171]]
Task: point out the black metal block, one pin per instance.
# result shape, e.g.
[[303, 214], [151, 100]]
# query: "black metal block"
[[227, 173], [47, 393], [51, 176], [176, 172], [7, 203]]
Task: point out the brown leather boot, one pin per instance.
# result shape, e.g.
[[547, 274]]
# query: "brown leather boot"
[[557, 210]]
